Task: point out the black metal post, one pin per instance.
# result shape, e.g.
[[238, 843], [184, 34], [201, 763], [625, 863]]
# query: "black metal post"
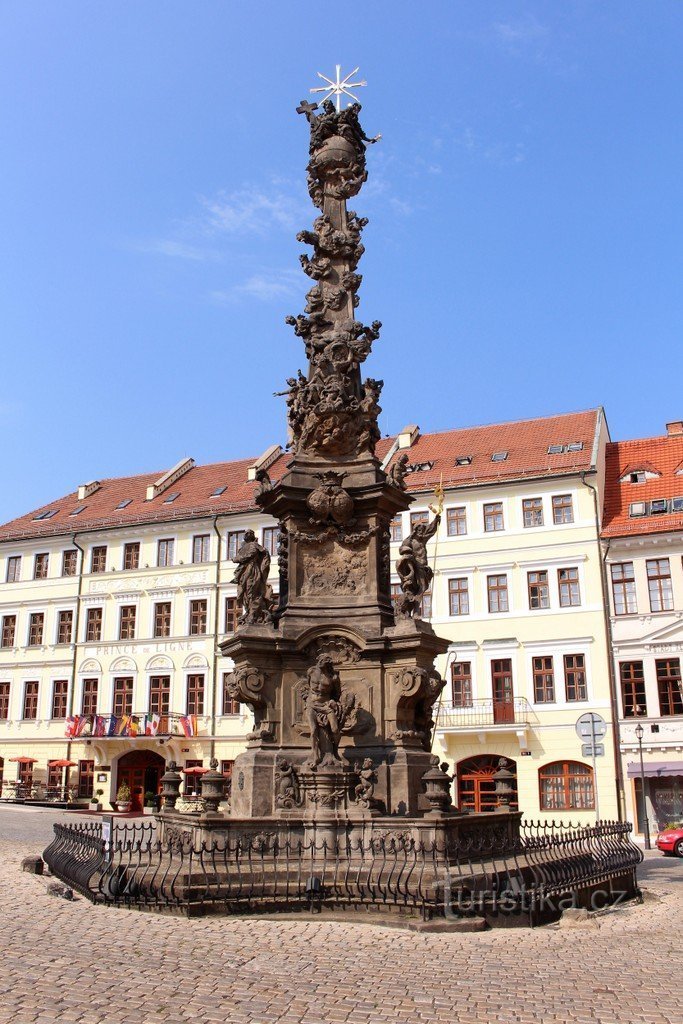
[[646, 824]]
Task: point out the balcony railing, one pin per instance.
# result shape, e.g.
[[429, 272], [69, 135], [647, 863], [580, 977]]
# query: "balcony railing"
[[487, 712], [139, 723]]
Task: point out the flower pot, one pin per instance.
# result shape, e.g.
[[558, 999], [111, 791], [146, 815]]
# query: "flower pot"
[[124, 807]]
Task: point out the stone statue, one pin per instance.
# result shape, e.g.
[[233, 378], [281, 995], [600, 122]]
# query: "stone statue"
[[367, 780], [263, 484], [328, 713], [254, 593], [370, 410], [287, 786], [399, 471], [413, 569]]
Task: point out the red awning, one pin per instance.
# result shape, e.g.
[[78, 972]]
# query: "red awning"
[[62, 763], [195, 770], [24, 760]]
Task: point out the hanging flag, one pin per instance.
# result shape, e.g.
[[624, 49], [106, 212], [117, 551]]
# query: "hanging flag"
[[71, 724], [186, 725], [113, 724], [122, 724], [99, 728], [152, 727]]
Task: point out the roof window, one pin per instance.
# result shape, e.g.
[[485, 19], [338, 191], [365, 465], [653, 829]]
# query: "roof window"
[[77, 511], [499, 457], [419, 467], [658, 507], [575, 446], [169, 499], [125, 503], [46, 515], [555, 449], [677, 504], [463, 460], [637, 508], [219, 491]]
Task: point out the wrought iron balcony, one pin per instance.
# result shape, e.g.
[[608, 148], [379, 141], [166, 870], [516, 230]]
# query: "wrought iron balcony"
[[486, 713], [138, 723]]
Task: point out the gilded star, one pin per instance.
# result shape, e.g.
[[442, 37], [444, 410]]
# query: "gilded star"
[[339, 87]]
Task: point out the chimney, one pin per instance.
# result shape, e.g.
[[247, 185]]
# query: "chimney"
[[408, 436], [675, 429], [264, 461], [85, 490], [170, 477]]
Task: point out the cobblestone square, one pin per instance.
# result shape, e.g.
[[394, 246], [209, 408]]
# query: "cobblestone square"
[[65, 961]]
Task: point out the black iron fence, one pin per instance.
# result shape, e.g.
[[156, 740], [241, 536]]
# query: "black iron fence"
[[479, 874]]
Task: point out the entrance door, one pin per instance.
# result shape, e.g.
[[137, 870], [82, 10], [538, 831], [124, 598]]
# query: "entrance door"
[[503, 694], [476, 786], [142, 771]]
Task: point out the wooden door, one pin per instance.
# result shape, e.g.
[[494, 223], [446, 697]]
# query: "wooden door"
[[503, 692]]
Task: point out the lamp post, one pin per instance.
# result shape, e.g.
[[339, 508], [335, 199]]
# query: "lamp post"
[[639, 736]]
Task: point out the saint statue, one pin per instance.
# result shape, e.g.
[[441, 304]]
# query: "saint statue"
[[254, 593], [327, 713], [413, 570]]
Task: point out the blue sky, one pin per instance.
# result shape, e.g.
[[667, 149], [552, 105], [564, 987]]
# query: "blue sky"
[[523, 252]]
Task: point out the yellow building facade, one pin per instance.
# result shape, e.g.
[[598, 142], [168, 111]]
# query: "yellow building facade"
[[112, 616]]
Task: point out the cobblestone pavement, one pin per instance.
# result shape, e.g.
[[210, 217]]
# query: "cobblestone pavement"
[[75, 962]]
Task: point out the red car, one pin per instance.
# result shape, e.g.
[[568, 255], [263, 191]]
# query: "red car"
[[671, 840]]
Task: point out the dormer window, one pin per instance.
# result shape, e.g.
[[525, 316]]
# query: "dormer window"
[[636, 478]]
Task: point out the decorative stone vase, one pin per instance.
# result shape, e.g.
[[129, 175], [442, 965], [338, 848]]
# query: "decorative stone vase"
[[213, 787], [170, 786]]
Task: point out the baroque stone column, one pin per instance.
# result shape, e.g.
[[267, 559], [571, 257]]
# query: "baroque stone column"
[[342, 689]]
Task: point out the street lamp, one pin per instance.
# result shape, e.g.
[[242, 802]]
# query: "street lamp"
[[640, 732]]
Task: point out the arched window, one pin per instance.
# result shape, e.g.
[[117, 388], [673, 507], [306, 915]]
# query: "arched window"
[[476, 785], [566, 786]]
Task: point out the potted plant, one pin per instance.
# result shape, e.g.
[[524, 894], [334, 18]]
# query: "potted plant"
[[124, 801], [95, 802], [150, 802]]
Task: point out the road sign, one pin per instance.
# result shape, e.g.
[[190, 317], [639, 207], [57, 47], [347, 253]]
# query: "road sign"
[[592, 750], [591, 726]]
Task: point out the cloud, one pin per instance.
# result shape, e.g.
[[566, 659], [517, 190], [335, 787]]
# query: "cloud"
[[175, 248], [250, 210], [521, 32], [267, 286]]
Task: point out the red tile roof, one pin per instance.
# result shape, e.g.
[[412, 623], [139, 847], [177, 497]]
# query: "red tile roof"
[[662, 455], [525, 441]]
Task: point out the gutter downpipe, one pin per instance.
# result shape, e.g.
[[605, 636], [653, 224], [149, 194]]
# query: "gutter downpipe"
[[76, 632], [216, 622], [618, 773]]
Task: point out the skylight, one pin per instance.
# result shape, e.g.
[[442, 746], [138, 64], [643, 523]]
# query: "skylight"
[[77, 511], [46, 515], [555, 449], [171, 497], [463, 460], [499, 457], [657, 507], [419, 467], [125, 503], [219, 491], [575, 446]]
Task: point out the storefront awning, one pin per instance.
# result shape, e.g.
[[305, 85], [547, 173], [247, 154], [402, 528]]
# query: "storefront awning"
[[654, 769]]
